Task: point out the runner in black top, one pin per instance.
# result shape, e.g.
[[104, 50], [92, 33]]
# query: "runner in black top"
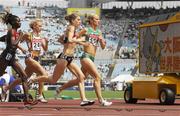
[[7, 58]]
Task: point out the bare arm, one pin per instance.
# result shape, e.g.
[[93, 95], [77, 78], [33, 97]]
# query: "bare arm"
[[27, 39], [82, 41], [60, 40], [70, 34], [82, 32], [102, 41], [71, 37], [45, 44]]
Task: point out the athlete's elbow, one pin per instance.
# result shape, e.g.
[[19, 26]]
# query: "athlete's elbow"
[[103, 47], [45, 48], [52, 81]]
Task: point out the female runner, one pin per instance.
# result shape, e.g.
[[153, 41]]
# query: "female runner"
[[65, 59], [93, 36], [34, 43], [7, 58]]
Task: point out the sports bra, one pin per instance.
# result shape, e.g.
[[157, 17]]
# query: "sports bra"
[[36, 42], [93, 36]]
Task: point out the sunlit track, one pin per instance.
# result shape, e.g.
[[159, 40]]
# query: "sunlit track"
[[72, 107], [119, 105], [87, 108]]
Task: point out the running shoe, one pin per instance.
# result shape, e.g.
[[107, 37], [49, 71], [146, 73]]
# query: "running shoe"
[[86, 103], [105, 103], [41, 99]]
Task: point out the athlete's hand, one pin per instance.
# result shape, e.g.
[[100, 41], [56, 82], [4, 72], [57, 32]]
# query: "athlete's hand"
[[102, 40], [26, 37]]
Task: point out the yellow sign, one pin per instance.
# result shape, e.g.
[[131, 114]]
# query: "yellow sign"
[[160, 46], [83, 11]]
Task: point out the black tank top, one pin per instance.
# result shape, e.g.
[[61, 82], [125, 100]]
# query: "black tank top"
[[9, 45]]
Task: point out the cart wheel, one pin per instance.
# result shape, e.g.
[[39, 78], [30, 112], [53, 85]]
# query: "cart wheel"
[[128, 96], [166, 96]]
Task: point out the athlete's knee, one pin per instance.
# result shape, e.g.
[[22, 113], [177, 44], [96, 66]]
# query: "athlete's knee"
[[18, 81], [41, 84], [23, 79], [77, 80], [51, 81], [23, 75], [81, 78], [45, 73], [97, 79]]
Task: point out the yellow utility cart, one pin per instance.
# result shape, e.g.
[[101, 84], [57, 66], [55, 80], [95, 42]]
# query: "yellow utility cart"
[[159, 61]]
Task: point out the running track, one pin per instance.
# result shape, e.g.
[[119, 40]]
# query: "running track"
[[72, 108]]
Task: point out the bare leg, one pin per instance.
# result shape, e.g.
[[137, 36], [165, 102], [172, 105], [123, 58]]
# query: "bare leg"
[[80, 81], [19, 80], [70, 83], [58, 71], [89, 66], [19, 69], [34, 66], [75, 69], [3, 66]]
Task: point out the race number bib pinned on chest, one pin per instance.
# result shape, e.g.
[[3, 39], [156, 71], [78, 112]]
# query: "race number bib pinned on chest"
[[36, 44], [94, 39], [93, 36], [8, 56]]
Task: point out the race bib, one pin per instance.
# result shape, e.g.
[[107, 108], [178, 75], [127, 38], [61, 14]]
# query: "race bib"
[[36, 44], [8, 56], [93, 39]]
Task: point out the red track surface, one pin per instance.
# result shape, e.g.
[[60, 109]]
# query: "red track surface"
[[72, 108]]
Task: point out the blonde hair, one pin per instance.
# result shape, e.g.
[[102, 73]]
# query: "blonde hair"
[[34, 22], [91, 17]]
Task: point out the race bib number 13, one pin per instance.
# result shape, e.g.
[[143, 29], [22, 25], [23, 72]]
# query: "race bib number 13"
[[8, 56]]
